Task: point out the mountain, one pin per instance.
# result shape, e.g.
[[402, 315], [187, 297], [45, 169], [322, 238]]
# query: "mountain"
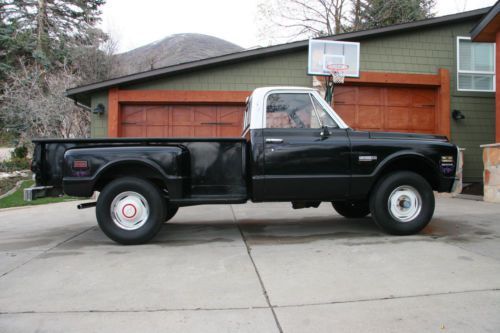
[[171, 50]]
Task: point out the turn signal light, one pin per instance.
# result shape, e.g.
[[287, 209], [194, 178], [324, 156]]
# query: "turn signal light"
[[80, 164]]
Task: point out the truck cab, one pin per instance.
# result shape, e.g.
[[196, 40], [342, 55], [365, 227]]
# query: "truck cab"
[[294, 148], [296, 140]]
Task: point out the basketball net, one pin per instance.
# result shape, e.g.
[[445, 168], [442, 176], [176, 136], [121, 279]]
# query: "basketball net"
[[337, 76]]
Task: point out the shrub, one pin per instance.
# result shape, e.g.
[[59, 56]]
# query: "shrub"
[[15, 164], [20, 152]]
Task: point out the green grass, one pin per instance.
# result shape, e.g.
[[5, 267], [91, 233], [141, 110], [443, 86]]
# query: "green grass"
[[16, 199]]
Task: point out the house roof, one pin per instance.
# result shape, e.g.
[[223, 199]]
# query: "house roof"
[[486, 29], [81, 94]]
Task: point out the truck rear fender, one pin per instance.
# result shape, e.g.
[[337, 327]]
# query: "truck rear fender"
[[137, 168]]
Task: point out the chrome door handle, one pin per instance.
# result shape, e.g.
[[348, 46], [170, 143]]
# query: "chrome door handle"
[[274, 140]]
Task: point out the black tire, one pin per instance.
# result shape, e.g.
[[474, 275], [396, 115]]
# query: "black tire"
[[352, 209], [149, 226], [411, 188], [171, 211]]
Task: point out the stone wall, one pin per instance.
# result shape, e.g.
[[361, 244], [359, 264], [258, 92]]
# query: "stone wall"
[[491, 160]]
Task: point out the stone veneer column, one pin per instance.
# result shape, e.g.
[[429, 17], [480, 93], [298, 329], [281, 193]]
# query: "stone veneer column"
[[491, 176]]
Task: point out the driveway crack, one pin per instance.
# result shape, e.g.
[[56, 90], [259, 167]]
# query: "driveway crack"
[[45, 251], [263, 287]]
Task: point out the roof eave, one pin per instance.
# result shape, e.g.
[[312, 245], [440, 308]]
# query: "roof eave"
[[484, 22]]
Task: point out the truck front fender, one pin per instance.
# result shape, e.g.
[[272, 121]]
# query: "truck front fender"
[[413, 161]]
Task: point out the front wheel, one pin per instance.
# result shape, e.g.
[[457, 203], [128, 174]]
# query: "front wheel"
[[402, 203], [131, 210]]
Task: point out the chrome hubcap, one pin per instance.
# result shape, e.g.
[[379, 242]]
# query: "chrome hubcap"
[[129, 210], [405, 203]]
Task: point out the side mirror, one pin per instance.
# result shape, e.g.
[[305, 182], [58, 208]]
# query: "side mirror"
[[325, 133]]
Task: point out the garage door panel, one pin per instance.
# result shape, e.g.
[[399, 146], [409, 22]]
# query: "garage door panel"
[[388, 108], [181, 120], [230, 114], [370, 96], [156, 115], [397, 118], [346, 95], [205, 131], [399, 97], [347, 113], [133, 131], [425, 98], [133, 113], [181, 131], [369, 117], [229, 119], [422, 119], [182, 114], [205, 114], [156, 131]]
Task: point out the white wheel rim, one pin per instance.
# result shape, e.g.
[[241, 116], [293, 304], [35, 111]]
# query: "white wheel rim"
[[405, 203], [129, 210]]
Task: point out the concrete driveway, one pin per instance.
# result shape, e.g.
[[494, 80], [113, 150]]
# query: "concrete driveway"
[[251, 268]]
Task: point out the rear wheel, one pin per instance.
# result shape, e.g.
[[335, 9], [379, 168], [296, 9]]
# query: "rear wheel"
[[352, 209], [131, 210], [402, 203]]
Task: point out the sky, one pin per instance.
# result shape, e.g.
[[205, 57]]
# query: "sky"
[[133, 23]]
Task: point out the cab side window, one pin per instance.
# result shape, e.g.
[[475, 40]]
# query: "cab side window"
[[289, 110]]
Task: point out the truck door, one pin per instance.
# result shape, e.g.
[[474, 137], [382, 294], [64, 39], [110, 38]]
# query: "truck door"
[[306, 154]]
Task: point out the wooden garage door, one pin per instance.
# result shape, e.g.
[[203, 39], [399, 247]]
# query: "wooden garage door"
[[388, 109], [181, 120]]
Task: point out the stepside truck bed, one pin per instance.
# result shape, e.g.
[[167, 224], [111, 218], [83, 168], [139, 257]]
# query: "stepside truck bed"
[[195, 170]]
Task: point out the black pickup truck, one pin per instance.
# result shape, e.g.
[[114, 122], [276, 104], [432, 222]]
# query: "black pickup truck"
[[293, 148]]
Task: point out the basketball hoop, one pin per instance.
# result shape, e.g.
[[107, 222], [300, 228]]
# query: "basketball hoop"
[[338, 72]]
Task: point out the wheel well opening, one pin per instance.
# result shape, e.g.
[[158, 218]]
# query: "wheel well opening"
[[413, 164], [130, 170]]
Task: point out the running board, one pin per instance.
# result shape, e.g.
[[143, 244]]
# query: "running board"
[[209, 200]]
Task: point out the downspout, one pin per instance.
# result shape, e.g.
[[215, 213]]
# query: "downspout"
[[85, 107]]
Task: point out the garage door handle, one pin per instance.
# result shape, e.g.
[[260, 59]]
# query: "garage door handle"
[[216, 123], [131, 123], [274, 140]]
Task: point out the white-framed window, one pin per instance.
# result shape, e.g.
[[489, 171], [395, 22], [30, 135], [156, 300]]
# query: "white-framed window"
[[475, 65]]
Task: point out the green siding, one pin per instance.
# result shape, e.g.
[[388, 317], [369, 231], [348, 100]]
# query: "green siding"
[[420, 51], [285, 69], [99, 126]]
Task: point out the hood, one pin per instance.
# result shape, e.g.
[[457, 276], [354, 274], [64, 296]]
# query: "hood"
[[407, 136]]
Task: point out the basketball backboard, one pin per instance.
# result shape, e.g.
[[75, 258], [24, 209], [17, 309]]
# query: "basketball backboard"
[[324, 53]]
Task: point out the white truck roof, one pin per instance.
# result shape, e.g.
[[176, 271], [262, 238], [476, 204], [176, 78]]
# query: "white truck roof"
[[258, 99]]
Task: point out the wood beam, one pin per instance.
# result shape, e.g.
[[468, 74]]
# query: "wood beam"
[[113, 113], [395, 79], [183, 96], [443, 116]]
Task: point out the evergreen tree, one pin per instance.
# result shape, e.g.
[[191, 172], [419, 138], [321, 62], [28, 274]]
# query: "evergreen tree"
[[50, 27], [381, 13]]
